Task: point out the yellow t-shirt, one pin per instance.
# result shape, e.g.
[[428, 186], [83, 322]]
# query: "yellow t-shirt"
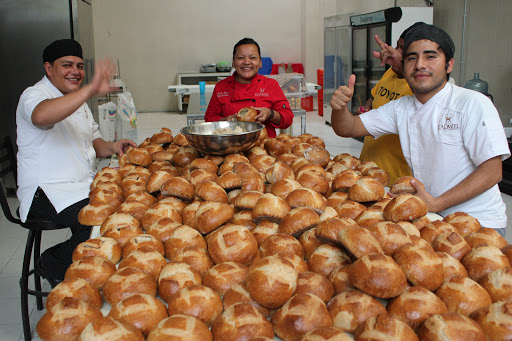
[[386, 150]]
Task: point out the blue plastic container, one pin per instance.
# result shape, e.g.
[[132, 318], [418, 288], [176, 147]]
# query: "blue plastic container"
[[266, 66]]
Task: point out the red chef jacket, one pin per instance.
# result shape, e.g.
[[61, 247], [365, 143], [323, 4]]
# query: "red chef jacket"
[[229, 96]]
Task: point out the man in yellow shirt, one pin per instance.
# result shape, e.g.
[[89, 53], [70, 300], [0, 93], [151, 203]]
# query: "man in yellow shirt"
[[386, 150]]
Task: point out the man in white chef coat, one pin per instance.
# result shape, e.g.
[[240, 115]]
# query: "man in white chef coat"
[[452, 138], [58, 142]]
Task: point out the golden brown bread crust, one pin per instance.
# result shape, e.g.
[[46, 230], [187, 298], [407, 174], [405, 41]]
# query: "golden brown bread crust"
[[96, 270], [133, 208], [223, 276], [313, 180], [275, 147], [238, 294], [405, 207], [351, 162], [379, 174], [366, 189], [107, 328], [77, 288], [384, 327], [241, 321], [197, 257], [484, 259], [229, 181], [156, 180], [95, 214], [487, 236], [280, 242], [198, 301], [345, 179], [496, 320], [181, 237], [309, 242], [127, 282], [211, 191], [463, 295], [309, 282], [107, 248], [421, 265], [121, 227], [415, 305], [271, 281], [178, 187], [451, 326], [359, 241], [270, 207], [452, 267], [351, 308], [378, 275], [433, 229], [340, 280], [146, 259], [318, 156], [232, 243], [299, 220], [180, 328], [326, 258], [301, 314], [452, 243], [350, 209], [247, 114], [142, 240], [403, 185], [390, 236], [66, 320], [328, 230], [158, 211], [498, 284], [142, 197], [139, 157], [463, 222], [141, 311], [305, 197], [210, 215], [176, 276], [370, 216]]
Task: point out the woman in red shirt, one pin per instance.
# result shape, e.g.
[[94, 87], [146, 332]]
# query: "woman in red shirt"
[[246, 88]]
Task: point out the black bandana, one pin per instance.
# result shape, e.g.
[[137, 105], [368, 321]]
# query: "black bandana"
[[61, 48], [432, 33]]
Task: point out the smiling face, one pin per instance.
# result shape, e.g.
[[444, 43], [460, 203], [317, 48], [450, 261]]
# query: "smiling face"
[[66, 73], [247, 62], [426, 68]]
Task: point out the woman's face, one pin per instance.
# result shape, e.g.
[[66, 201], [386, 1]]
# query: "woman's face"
[[246, 62]]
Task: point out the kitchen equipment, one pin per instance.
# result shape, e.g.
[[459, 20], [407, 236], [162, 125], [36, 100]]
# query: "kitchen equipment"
[[223, 66], [200, 137], [208, 67]]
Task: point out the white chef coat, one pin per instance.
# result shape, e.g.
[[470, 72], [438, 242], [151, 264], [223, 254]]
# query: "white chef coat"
[[445, 140], [59, 159]]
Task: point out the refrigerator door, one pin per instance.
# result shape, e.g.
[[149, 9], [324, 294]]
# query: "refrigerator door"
[[360, 66], [375, 70]]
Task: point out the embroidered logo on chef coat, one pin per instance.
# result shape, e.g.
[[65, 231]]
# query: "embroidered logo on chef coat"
[[447, 124], [222, 94], [262, 93]]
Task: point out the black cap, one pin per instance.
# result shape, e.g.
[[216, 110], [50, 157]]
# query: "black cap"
[[61, 48], [433, 33], [416, 24]]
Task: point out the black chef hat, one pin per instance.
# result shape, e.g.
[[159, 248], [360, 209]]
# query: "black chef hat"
[[433, 33], [61, 48], [416, 24]]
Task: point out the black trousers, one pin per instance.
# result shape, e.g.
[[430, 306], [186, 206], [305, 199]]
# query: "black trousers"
[[56, 259]]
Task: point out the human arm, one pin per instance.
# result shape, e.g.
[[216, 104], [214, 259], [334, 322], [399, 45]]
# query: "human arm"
[[106, 149], [51, 111], [343, 122], [486, 175]]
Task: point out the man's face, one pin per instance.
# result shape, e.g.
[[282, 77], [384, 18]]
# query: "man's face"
[[66, 73], [425, 68]]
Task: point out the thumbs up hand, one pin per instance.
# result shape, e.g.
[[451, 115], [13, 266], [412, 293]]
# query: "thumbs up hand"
[[343, 94]]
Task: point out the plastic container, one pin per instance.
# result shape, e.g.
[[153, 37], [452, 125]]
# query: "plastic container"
[[294, 100], [307, 103], [266, 66], [477, 84], [208, 67]]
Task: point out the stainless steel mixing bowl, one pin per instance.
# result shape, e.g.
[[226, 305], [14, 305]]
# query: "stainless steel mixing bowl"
[[200, 136]]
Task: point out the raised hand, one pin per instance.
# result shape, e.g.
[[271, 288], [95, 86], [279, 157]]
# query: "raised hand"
[[388, 54], [343, 94]]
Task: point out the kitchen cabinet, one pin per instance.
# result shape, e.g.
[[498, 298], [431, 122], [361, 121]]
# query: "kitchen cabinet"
[[183, 79]]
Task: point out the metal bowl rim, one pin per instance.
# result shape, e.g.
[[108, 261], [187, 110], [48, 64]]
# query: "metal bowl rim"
[[262, 126]]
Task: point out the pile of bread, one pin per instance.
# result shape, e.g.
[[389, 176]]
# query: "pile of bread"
[[283, 240]]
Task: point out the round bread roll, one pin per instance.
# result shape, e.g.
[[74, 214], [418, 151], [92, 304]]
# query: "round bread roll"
[[305, 197], [313, 180], [146, 259], [298, 220], [409, 228], [370, 216], [198, 301], [142, 197], [326, 258], [107, 197], [299, 149], [299, 315], [198, 176], [246, 200], [498, 284], [384, 327], [246, 114], [223, 276], [450, 326], [211, 191], [106, 328], [463, 295], [405, 207], [328, 213], [284, 187], [176, 276], [141, 311], [178, 187], [279, 171], [264, 230], [96, 270], [238, 294], [253, 182], [350, 209], [142, 240], [351, 308], [433, 229], [270, 207], [156, 180], [381, 204], [309, 242], [316, 284], [507, 251], [95, 213], [232, 243], [76, 288], [185, 155], [210, 215], [325, 334], [271, 281], [181, 237], [105, 186], [421, 265], [243, 218], [415, 305], [139, 157], [198, 258], [229, 181], [126, 282], [162, 229], [379, 174], [180, 328], [121, 227], [263, 162], [345, 179], [337, 198], [135, 209], [340, 280], [280, 242], [420, 222], [299, 264], [366, 189], [377, 275], [316, 141], [486, 236], [66, 320], [390, 236], [274, 147], [451, 243], [496, 320], [403, 185], [180, 140], [241, 321], [318, 156], [365, 166], [484, 259], [452, 267], [203, 163], [158, 211], [107, 248], [359, 241], [463, 222], [351, 162]]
